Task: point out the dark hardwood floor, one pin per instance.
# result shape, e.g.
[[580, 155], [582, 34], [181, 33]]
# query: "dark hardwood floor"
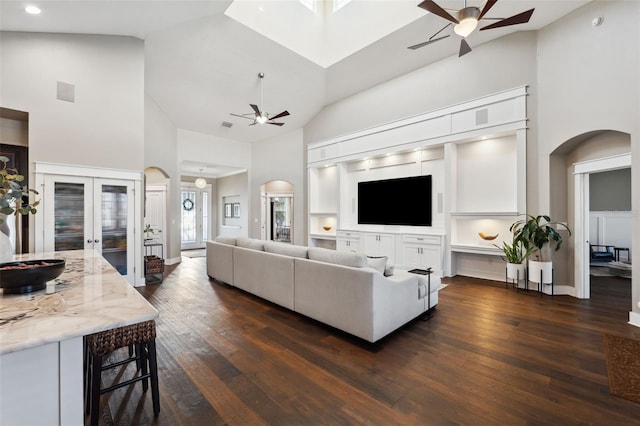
[[488, 356]]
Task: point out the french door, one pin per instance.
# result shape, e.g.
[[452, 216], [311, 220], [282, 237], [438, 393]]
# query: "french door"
[[83, 213]]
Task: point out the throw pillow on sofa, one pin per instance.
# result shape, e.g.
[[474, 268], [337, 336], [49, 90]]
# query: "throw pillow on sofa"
[[379, 263]]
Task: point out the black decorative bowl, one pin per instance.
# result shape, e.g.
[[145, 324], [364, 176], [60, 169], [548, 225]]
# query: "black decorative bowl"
[[29, 275]]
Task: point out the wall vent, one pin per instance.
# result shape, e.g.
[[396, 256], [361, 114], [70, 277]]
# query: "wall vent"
[[482, 116], [227, 124], [66, 92]]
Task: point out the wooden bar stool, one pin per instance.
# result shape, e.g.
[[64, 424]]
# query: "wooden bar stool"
[[140, 338]]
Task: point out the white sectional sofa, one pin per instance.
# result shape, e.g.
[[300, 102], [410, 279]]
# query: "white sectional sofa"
[[338, 288]]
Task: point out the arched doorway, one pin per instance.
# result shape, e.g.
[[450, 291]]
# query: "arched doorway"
[[573, 165], [276, 211]]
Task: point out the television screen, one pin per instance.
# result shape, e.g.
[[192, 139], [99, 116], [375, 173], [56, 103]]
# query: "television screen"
[[403, 201]]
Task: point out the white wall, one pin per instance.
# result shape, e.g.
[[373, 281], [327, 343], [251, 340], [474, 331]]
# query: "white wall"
[[160, 146], [589, 80], [503, 64], [233, 189], [195, 146], [104, 127], [280, 158]]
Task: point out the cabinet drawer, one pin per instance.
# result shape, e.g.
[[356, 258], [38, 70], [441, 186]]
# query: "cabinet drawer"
[[348, 235], [422, 239]]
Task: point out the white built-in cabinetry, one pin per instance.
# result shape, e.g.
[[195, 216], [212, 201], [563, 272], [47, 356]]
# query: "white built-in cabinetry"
[[476, 154], [422, 251], [348, 240], [378, 244]]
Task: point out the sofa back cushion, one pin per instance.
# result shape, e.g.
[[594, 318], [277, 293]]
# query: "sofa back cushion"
[[226, 240], [285, 249], [344, 258], [250, 243]]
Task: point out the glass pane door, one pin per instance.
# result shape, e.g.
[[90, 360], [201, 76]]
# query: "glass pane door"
[[189, 219], [195, 217], [114, 226], [68, 213], [69, 216]]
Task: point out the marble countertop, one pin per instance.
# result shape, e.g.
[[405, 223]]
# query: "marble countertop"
[[90, 296]]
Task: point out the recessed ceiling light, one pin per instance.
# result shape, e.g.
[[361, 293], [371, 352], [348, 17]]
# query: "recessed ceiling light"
[[32, 10]]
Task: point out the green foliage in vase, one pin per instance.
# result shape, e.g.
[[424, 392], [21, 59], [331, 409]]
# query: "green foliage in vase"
[[538, 232], [514, 252], [12, 193]]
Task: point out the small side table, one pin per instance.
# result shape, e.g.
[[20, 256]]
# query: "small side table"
[[617, 251], [153, 265]]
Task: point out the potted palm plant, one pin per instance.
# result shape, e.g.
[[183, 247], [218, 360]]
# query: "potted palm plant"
[[539, 234]]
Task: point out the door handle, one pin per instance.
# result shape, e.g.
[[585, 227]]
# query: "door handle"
[[96, 241], [89, 241]]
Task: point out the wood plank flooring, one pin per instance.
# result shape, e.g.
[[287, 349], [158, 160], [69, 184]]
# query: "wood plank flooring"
[[489, 356]]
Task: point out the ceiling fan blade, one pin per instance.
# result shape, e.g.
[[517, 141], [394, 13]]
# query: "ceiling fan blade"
[[275, 124], [244, 116], [282, 114], [419, 45], [486, 8], [256, 109], [520, 18], [464, 48], [432, 7]]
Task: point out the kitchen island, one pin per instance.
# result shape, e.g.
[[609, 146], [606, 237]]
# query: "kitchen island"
[[41, 337]]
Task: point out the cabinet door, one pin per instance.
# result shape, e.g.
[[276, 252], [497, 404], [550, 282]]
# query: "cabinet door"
[[348, 244], [387, 247], [380, 245], [412, 256], [371, 245], [431, 258]]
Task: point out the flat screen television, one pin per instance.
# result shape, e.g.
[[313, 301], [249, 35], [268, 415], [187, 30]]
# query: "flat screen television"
[[402, 201]]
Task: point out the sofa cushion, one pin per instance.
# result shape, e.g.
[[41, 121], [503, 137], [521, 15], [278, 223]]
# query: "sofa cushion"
[[285, 249], [344, 258], [379, 263], [226, 240], [250, 243]]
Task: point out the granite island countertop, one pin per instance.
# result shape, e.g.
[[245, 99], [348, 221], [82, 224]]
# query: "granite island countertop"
[[90, 296]]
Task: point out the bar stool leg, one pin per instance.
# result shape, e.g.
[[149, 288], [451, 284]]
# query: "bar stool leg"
[[142, 354], [96, 370], [153, 366]]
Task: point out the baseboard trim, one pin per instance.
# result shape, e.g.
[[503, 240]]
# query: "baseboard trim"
[[173, 260], [634, 318]]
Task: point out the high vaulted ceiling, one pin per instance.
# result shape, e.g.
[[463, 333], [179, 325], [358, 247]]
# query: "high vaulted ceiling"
[[201, 65]]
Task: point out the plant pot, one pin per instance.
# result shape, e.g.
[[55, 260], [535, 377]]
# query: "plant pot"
[[540, 271], [516, 271]]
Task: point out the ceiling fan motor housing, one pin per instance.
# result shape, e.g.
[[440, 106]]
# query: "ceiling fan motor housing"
[[468, 12]]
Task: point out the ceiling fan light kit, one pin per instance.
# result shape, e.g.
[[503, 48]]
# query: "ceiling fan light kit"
[[260, 116], [467, 21]]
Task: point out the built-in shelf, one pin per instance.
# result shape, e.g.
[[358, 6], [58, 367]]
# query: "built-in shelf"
[[471, 215], [323, 236], [476, 249], [323, 213]]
